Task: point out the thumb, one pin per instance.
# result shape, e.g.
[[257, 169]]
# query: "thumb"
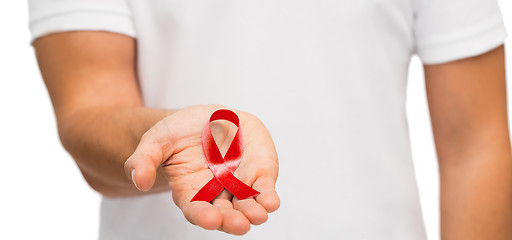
[[148, 156]]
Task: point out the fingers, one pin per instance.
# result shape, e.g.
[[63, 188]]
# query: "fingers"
[[218, 215], [255, 212], [231, 215], [203, 214], [142, 165], [268, 197], [150, 153], [233, 221]]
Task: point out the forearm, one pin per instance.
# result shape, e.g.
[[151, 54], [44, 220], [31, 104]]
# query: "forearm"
[[100, 139], [476, 192], [468, 108], [92, 81]]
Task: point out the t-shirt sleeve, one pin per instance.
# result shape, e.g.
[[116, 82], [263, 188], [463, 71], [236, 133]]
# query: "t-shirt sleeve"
[[52, 16], [447, 30]]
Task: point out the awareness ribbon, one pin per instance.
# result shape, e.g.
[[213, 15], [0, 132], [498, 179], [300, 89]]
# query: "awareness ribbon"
[[223, 167]]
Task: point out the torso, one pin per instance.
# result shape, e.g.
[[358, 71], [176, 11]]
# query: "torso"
[[328, 78]]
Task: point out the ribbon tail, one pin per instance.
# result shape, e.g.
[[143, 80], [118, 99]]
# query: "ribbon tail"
[[209, 191], [237, 187]]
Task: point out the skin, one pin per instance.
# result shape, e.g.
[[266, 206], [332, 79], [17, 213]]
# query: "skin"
[[91, 80], [467, 101]]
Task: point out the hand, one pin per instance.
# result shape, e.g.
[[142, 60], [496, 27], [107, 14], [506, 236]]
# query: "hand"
[[176, 140]]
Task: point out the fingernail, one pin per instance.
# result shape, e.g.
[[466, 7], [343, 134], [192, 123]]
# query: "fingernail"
[[133, 179]]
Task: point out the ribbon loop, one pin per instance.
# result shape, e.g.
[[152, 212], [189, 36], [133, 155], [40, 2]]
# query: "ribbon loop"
[[223, 167]]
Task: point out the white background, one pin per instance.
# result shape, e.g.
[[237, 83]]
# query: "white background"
[[42, 193]]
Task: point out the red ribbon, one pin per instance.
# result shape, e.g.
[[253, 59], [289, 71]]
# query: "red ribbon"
[[223, 167]]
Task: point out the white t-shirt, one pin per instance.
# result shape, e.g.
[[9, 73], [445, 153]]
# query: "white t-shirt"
[[328, 78]]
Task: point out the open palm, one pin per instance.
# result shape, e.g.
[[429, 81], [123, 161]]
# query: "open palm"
[[175, 142]]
